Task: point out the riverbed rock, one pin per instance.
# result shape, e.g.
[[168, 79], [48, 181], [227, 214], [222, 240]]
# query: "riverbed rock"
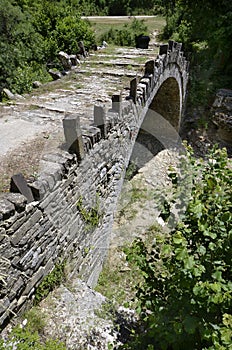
[[222, 114]]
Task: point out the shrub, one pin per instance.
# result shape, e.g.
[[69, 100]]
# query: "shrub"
[[185, 295], [32, 34], [125, 36]]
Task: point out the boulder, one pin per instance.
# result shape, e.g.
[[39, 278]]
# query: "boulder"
[[55, 74], [142, 41], [65, 60], [36, 84], [74, 60], [8, 94], [221, 113], [82, 50]]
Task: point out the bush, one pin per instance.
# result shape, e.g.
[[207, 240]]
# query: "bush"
[[185, 295], [69, 31], [32, 34], [125, 36]]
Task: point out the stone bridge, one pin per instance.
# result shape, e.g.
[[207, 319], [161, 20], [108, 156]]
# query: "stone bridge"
[[67, 213]]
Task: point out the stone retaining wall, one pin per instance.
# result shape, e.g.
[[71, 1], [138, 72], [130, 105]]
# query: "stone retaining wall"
[[67, 213]]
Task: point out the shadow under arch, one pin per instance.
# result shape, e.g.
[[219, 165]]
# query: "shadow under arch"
[[167, 102], [159, 129]]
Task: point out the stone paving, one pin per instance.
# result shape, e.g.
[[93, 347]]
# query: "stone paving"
[[31, 125], [93, 82]]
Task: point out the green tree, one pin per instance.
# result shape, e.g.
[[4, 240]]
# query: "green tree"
[[20, 45], [118, 8], [31, 35], [204, 25]]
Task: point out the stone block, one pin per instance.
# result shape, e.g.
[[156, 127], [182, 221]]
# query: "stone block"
[[149, 67], [65, 159], [20, 237], [39, 189], [100, 119], [146, 82], [13, 225], [117, 104], [4, 304], [133, 89], [7, 209], [18, 200], [82, 50], [65, 60], [4, 319], [55, 74], [19, 184], [113, 119], [93, 134], [163, 49], [142, 41], [52, 169], [73, 135], [34, 281], [171, 45], [74, 60], [17, 288]]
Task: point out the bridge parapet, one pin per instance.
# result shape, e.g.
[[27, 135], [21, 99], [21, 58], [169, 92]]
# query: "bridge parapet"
[[171, 57]]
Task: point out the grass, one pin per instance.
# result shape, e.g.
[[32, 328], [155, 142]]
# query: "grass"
[[102, 25], [117, 279], [29, 334]]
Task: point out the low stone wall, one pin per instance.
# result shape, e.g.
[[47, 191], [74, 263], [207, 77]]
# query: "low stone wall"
[[67, 213]]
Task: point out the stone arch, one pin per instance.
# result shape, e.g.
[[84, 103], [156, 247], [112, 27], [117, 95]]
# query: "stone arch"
[[161, 122]]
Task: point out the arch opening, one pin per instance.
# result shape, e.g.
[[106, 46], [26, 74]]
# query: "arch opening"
[[160, 126], [167, 102]]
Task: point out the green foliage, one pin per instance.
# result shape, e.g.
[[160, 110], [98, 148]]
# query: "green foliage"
[[22, 77], [69, 31], [28, 337], [92, 215], [205, 29], [61, 26], [125, 36], [131, 170], [117, 8], [52, 280], [134, 7], [26, 340], [31, 35], [185, 296]]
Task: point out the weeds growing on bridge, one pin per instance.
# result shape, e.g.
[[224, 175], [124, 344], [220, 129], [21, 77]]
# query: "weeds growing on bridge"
[[52, 280], [91, 216]]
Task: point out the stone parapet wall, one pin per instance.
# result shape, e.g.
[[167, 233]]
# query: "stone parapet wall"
[[67, 213]]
